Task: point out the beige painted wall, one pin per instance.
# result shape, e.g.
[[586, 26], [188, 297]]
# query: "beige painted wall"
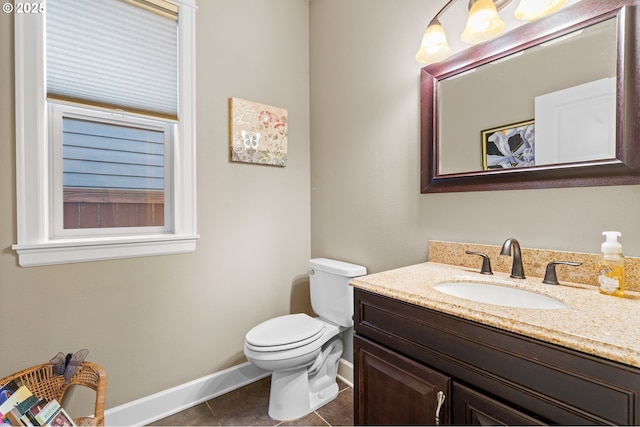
[[161, 321], [365, 169], [362, 196]]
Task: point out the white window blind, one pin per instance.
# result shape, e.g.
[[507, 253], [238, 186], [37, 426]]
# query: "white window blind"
[[111, 53]]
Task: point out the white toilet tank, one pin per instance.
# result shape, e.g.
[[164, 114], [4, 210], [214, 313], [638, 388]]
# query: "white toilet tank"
[[331, 295]]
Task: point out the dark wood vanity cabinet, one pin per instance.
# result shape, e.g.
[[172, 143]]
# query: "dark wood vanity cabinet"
[[405, 354], [395, 389], [471, 407]]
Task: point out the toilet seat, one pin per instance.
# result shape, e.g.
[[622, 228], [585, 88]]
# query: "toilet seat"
[[284, 333]]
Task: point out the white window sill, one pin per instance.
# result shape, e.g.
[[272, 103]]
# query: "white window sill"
[[98, 249]]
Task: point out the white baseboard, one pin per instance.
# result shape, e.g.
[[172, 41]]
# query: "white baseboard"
[[168, 402], [345, 371]]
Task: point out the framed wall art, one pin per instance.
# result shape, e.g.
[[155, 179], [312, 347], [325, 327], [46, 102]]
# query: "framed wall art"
[[257, 133], [510, 146]]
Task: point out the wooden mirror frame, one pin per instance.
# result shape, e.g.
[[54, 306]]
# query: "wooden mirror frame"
[[623, 170]]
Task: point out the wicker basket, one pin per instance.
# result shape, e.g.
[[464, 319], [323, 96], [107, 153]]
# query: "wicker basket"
[[41, 382]]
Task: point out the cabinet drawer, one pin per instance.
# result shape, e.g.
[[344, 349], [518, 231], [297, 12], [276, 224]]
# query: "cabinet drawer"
[[556, 383]]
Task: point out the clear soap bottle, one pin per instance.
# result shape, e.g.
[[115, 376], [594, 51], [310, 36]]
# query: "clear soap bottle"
[[611, 266]]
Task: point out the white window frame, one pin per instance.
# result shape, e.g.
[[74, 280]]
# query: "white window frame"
[[37, 244]]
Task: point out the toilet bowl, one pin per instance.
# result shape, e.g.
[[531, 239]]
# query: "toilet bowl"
[[301, 379], [301, 351]]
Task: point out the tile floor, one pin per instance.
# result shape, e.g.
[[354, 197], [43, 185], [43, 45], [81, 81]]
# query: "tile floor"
[[248, 406]]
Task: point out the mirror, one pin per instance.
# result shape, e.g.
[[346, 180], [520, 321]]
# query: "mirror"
[[515, 89], [549, 104]]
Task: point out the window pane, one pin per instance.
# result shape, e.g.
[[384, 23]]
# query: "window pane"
[[113, 175]]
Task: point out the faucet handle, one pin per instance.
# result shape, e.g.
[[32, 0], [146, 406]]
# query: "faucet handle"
[[486, 262], [550, 277]]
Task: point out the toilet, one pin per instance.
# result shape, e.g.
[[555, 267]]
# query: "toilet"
[[301, 351]]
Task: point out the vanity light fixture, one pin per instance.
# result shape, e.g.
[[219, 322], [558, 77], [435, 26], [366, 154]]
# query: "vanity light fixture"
[[483, 23]]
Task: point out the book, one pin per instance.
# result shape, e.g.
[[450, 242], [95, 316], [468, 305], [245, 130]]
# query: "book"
[[35, 410], [61, 418], [26, 421], [20, 395], [47, 412], [7, 390], [20, 407], [26, 404], [14, 416]]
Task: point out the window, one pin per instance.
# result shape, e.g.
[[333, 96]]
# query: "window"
[[105, 152], [113, 172]]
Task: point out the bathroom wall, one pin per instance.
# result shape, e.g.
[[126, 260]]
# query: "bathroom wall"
[[158, 322], [365, 167]]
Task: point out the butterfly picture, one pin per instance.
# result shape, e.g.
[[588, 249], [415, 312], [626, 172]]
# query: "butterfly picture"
[[257, 133], [250, 140], [68, 364]]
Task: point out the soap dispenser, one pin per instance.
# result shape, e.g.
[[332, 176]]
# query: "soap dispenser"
[[611, 266]]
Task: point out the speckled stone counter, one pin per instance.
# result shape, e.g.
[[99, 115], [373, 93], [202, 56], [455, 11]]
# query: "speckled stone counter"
[[535, 262], [592, 323]]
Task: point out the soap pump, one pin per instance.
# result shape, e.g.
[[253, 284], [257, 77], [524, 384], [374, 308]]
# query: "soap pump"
[[611, 266]]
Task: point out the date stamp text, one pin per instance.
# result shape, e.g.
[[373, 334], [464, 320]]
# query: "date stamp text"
[[23, 7]]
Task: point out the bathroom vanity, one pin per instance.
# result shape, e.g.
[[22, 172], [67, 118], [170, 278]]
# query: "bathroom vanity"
[[414, 346]]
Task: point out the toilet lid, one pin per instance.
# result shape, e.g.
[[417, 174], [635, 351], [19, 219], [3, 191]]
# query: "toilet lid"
[[284, 332]]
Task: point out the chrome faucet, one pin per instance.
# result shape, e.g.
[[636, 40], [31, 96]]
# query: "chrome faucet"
[[517, 270]]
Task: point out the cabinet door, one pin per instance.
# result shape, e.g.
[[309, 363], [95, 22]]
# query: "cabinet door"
[[469, 407], [392, 389]]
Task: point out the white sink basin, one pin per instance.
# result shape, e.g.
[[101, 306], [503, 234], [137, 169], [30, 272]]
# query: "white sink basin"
[[498, 295]]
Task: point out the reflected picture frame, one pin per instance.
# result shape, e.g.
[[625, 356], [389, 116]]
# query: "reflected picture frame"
[[509, 146]]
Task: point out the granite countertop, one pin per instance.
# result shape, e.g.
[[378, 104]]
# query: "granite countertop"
[[592, 323]]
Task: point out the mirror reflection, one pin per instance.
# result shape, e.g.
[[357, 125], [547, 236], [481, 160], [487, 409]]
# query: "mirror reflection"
[[550, 104]]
